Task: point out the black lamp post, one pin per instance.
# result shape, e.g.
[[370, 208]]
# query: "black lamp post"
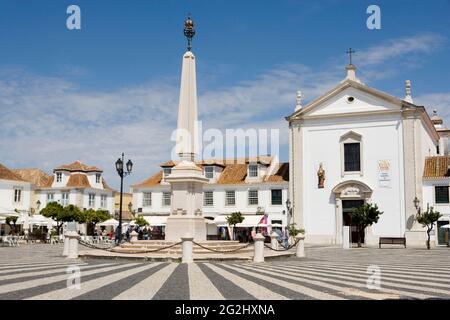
[[122, 173]]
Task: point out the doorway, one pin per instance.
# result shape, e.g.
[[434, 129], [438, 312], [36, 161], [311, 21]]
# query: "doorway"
[[443, 233], [347, 208]]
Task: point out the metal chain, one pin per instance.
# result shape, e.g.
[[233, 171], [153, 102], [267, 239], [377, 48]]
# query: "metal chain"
[[221, 251], [110, 248], [284, 248]]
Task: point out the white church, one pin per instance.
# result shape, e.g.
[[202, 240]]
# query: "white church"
[[355, 144]]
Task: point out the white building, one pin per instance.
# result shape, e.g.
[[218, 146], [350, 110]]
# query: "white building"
[[77, 184], [15, 195], [251, 186], [372, 147]]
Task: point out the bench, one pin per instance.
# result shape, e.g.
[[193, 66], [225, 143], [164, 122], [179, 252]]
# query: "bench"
[[392, 240]]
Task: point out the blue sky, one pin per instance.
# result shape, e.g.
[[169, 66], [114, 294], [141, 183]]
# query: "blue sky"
[[112, 86]]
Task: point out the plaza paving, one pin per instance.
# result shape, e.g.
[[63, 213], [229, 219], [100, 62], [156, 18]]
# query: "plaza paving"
[[39, 272]]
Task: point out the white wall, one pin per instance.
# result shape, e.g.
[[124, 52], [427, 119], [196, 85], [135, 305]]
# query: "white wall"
[[381, 140], [7, 195]]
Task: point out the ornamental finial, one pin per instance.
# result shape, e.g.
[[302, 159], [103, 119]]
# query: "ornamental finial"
[[189, 31]]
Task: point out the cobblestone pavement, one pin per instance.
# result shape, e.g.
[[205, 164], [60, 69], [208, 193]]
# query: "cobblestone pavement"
[[39, 272]]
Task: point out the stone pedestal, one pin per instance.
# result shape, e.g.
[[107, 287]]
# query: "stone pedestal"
[[300, 252], [72, 238], [259, 248], [273, 240], [346, 237], [133, 236], [186, 216], [66, 245], [417, 237], [187, 247]]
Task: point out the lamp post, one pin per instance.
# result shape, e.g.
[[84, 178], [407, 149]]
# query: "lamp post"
[[122, 173]]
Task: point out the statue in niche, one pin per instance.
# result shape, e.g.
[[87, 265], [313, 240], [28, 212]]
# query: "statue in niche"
[[321, 176]]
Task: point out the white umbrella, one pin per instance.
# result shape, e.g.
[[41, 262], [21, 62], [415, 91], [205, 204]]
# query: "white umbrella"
[[276, 225], [108, 223], [445, 226]]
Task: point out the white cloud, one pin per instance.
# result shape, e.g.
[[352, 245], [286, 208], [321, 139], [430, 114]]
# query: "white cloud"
[[48, 121]]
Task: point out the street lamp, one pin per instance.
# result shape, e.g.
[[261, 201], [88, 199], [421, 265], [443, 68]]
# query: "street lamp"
[[122, 174]]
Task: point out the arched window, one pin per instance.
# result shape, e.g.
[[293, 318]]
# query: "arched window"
[[351, 153]]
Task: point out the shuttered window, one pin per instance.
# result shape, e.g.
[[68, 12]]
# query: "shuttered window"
[[441, 194]]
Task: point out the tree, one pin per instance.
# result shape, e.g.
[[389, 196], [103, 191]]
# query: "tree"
[[428, 219], [140, 221], [62, 214], [293, 231], [363, 217], [234, 219], [92, 217], [12, 220]]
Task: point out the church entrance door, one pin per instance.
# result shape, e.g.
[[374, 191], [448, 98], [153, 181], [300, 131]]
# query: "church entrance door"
[[347, 207]]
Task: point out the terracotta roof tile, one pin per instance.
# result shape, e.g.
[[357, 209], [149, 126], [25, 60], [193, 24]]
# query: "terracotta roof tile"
[[106, 186], [7, 174], [78, 181], [77, 166], [35, 176], [436, 167], [152, 181], [233, 174], [281, 175]]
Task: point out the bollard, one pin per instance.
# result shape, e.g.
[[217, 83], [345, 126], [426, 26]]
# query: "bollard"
[[66, 245], [300, 245], [274, 241], [187, 245], [72, 238], [134, 236], [259, 248], [346, 237]]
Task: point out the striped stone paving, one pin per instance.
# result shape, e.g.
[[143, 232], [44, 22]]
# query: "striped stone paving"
[[39, 272]]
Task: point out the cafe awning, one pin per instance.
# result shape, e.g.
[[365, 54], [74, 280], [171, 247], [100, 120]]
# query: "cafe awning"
[[156, 221], [250, 221]]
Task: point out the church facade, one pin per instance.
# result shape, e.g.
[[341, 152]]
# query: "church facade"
[[354, 145]]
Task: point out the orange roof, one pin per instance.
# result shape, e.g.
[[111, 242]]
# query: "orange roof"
[[152, 181], [35, 176], [77, 166], [78, 181], [8, 174], [105, 185], [282, 174], [436, 167], [233, 173]]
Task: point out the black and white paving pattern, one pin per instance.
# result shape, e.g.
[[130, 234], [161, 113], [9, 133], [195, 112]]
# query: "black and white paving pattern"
[[39, 272]]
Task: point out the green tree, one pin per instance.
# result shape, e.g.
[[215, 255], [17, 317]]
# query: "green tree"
[[140, 221], [293, 231], [91, 217], [428, 219], [12, 220], [62, 214], [234, 219], [363, 217]]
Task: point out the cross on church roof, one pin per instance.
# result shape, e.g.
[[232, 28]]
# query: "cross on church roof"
[[349, 52]]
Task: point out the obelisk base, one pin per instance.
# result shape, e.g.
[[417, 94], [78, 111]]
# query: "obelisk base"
[[182, 226]]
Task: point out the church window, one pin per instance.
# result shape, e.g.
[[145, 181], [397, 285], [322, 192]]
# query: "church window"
[[352, 159], [351, 153], [441, 194]]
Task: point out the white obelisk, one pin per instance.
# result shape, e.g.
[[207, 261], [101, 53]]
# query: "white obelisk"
[[187, 179]]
